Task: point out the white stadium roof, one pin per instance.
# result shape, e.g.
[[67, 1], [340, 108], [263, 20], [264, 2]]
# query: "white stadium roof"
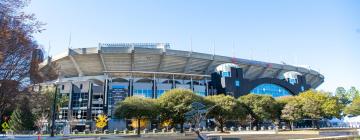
[[147, 59]]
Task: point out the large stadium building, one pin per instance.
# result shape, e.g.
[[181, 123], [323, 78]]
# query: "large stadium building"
[[95, 79]]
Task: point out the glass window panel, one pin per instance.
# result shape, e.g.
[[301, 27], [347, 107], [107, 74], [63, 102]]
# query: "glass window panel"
[[270, 89]]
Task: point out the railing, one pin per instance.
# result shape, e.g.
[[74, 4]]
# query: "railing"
[[142, 45]]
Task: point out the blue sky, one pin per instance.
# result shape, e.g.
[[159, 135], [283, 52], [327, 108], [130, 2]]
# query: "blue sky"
[[324, 34]]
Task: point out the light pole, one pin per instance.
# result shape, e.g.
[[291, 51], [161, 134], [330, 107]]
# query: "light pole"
[[53, 113]]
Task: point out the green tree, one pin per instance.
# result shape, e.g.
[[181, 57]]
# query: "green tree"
[[42, 101], [175, 103], [317, 105], [332, 107], [223, 108], [137, 108], [282, 101], [354, 107], [22, 118], [261, 107], [292, 112], [343, 96], [353, 92], [280, 104]]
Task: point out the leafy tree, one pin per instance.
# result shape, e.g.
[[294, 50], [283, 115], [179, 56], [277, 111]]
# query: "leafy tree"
[[136, 108], [22, 118], [16, 46], [261, 107], [175, 103], [343, 96], [354, 107], [280, 104], [223, 108], [292, 111], [9, 94], [332, 107], [317, 105], [42, 101], [353, 92], [282, 101]]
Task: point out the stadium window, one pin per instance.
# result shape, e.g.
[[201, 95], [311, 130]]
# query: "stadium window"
[[237, 83], [270, 89], [225, 74]]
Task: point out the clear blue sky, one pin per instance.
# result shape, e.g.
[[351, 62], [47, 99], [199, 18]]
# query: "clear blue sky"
[[324, 34]]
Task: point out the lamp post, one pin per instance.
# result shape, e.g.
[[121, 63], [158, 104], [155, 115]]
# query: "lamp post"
[[53, 113]]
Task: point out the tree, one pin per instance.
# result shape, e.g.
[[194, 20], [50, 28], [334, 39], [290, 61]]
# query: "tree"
[[292, 111], [280, 104], [354, 107], [17, 49], [353, 92], [8, 96], [42, 101], [343, 96], [282, 101], [175, 103], [136, 108], [261, 107], [225, 107], [317, 105], [22, 118]]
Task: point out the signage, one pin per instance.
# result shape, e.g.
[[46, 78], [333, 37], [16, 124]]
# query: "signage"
[[119, 93], [101, 121], [5, 126]]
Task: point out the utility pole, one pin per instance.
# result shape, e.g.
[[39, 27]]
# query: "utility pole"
[[53, 113]]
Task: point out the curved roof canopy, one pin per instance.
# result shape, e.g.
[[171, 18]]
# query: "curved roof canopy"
[[123, 60]]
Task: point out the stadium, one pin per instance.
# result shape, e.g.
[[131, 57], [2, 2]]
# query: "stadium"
[[96, 78]]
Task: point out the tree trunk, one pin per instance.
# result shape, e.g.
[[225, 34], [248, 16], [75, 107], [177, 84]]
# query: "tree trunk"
[[182, 128], [138, 128], [317, 124], [221, 127], [250, 125], [292, 125], [256, 123], [313, 123]]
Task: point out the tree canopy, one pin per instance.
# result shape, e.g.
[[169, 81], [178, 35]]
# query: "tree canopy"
[[136, 108], [175, 103], [223, 108], [261, 107], [317, 105], [22, 118], [292, 111], [17, 47], [354, 107], [343, 96]]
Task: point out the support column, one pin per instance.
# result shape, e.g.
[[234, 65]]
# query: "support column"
[[154, 87], [191, 84], [207, 88], [105, 100], [173, 82], [70, 100], [131, 93], [106, 96], [89, 106]]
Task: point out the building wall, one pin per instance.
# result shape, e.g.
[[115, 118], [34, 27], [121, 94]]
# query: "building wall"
[[89, 97], [236, 85]]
